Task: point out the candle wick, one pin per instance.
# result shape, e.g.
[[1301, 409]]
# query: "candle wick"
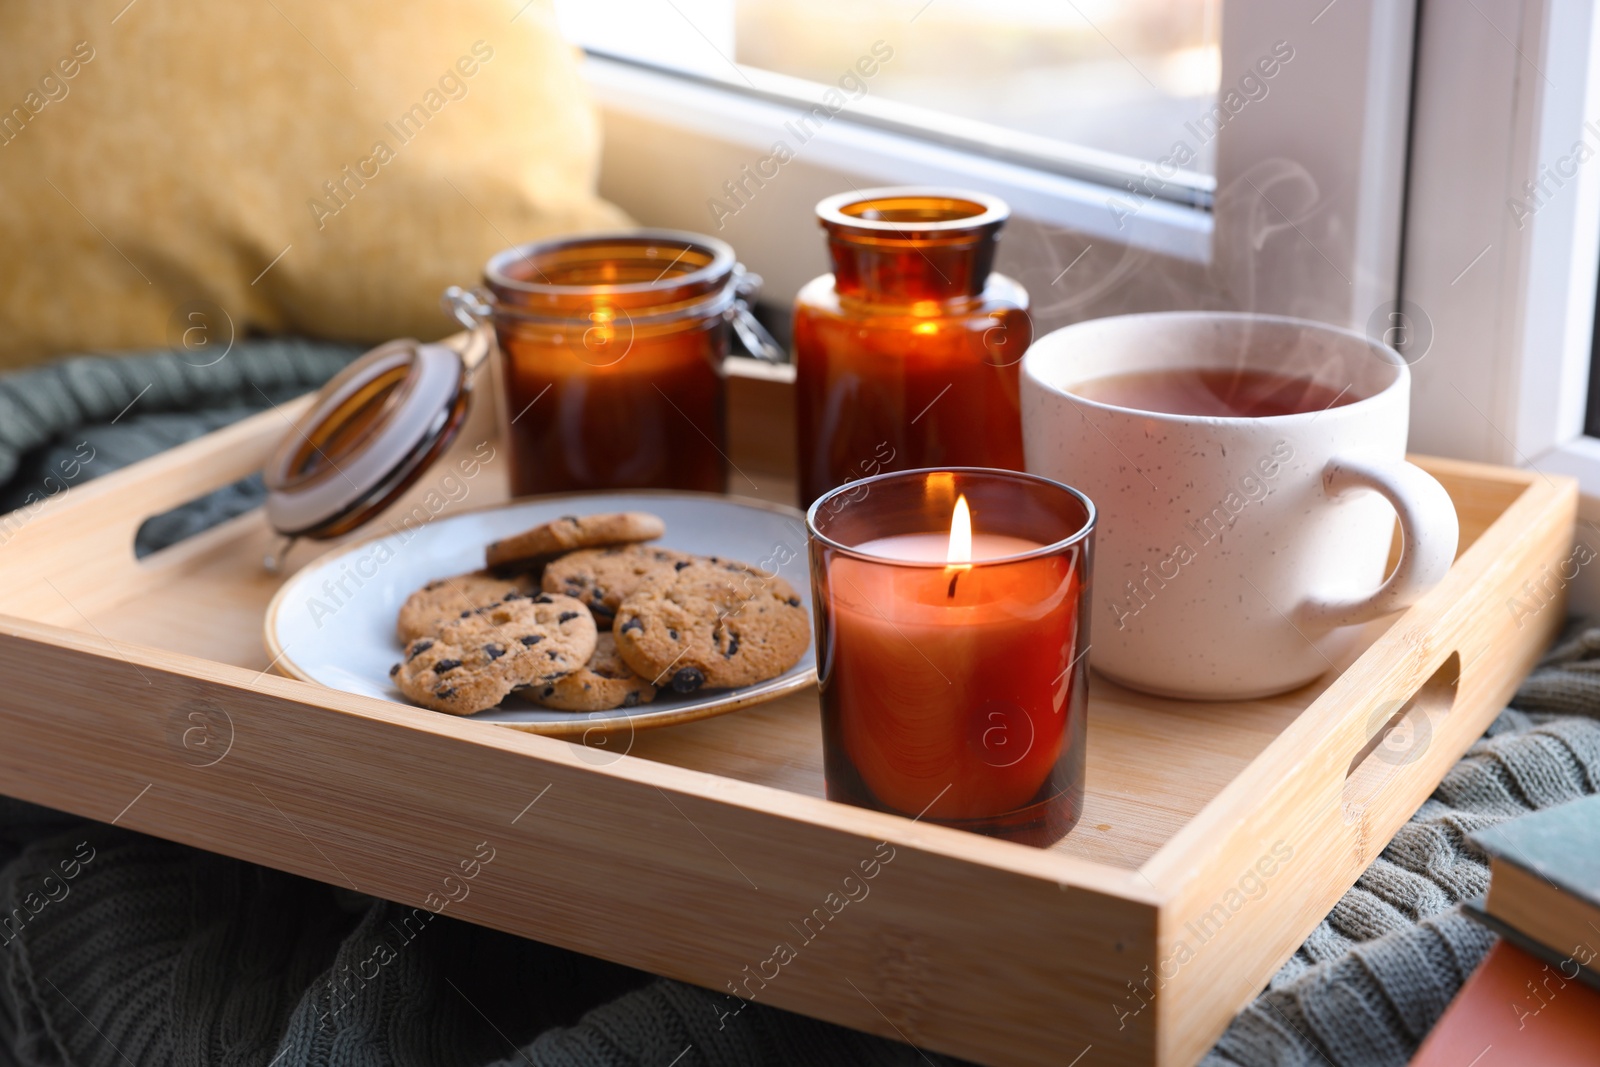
[[953, 579]]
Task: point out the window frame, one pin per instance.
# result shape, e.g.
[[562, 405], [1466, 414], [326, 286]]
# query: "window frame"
[[969, 136], [710, 117], [1511, 329], [1508, 309]]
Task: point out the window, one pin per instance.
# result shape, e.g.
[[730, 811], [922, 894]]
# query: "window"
[[1083, 87]]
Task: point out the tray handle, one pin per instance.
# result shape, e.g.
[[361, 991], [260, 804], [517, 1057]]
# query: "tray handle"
[[1399, 732]]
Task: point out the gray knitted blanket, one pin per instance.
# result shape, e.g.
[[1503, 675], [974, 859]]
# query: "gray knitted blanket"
[[120, 949]]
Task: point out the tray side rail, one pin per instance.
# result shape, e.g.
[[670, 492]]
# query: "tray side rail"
[[1250, 876], [867, 920]]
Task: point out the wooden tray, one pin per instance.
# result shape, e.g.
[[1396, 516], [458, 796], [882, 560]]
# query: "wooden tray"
[[1215, 836]]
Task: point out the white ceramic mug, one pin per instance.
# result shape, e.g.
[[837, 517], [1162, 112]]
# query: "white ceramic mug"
[[1233, 550]]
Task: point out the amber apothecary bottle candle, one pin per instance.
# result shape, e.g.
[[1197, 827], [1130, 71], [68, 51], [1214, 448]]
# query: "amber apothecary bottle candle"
[[611, 350], [952, 631], [907, 353]]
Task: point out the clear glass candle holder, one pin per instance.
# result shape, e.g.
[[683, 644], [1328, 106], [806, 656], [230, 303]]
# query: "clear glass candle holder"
[[954, 673]]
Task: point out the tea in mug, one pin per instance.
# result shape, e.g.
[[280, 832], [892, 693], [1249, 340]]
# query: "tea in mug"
[[1248, 394]]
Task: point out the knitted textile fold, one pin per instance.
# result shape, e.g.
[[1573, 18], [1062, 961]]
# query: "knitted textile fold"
[[119, 949], [80, 418], [1366, 986]]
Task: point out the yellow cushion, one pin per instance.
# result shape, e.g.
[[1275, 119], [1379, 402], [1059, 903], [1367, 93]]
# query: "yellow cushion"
[[308, 167]]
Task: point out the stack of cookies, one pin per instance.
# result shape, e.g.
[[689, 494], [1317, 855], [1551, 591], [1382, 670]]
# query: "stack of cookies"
[[581, 615]]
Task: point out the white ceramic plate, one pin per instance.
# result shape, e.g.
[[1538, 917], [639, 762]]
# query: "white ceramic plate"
[[332, 622]]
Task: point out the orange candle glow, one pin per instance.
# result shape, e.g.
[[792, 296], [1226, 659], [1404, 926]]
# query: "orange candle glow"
[[950, 668], [611, 351]]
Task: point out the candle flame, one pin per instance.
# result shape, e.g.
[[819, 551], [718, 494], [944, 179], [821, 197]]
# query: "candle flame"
[[960, 534]]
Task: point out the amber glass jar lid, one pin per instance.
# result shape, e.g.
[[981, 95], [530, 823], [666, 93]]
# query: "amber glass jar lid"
[[368, 435]]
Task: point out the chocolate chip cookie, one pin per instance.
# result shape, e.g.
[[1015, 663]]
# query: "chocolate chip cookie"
[[605, 682], [546, 541], [446, 598], [604, 577], [474, 660], [716, 624]]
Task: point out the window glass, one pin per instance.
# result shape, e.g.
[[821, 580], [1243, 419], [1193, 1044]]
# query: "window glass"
[[1119, 76]]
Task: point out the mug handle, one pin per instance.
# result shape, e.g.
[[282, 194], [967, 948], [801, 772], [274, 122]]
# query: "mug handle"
[[1429, 532]]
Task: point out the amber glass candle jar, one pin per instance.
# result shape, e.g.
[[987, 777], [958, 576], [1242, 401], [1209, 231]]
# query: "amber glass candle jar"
[[907, 354], [611, 351], [952, 630]]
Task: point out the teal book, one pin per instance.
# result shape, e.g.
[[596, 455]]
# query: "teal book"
[[1544, 884]]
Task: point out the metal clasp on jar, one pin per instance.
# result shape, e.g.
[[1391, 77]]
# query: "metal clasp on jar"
[[470, 307], [754, 336]]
